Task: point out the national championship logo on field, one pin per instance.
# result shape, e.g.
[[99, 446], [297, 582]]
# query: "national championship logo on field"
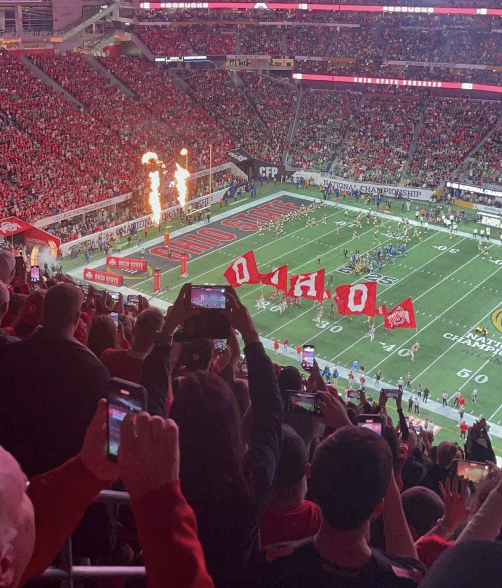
[[497, 319]]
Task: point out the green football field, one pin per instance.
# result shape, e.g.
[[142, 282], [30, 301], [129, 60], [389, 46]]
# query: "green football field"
[[454, 289]]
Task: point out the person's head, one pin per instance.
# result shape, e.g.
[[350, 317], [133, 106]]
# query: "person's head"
[[290, 484], [197, 354], [422, 508], [61, 309], [31, 314], [7, 266], [240, 388], [211, 450], [4, 300], [350, 475], [146, 326], [102, 335], [289, 379], [17, 522], [446, 453]]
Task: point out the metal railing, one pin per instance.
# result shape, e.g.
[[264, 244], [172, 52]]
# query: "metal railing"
[[66, 573]]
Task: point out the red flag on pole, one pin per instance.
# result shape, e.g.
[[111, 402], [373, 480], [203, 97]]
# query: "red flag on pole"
[[356, 298], [402, 316], [278, 278], [243, 271], [183, 265], [309, 285]]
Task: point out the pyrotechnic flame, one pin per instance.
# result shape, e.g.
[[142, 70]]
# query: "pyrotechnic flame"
[[181, 176], [154, 197]]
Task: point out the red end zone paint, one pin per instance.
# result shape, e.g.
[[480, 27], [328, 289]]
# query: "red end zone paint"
[[208, 238]]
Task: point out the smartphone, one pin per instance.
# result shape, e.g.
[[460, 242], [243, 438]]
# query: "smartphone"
[[84, 288], [115, 317], [244, 369], [35, 274], [124, 398], [373, 422], [134, 298], [115, 296], [418, 428], [303, 403], [355, 394], [220, 344], [473, 471], [308, 354], [407, 419], [208, 297], [391, 392]]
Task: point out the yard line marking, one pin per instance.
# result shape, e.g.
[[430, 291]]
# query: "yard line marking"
[[434, 320], [455, 342]]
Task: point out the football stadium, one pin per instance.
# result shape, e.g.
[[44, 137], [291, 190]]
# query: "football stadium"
[[250, 293]]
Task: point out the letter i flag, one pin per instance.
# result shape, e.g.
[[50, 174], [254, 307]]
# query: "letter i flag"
[[243, 271], [356, 298], [402, 316], [278, 278]]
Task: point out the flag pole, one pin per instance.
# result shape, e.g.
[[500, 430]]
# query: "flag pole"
[[210, 168]]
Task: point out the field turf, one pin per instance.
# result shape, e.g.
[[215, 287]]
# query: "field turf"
[[454, 289]]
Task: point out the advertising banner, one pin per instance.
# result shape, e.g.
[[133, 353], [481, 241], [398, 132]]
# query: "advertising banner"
[[126, 263], [92, 275]]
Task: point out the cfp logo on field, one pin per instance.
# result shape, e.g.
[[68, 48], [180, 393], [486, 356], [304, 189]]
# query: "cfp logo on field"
[[497, 319], [268, 172], [238, 156]]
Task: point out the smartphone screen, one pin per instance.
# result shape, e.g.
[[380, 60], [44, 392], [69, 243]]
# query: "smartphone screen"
[[134, 298], [212, 297], [115, 296], [474, 471], [84, 288], [124, 398], [115, 317], [308, 355], [372, 423], [391, 392], [35, 273], [302, 403], [355, 394]]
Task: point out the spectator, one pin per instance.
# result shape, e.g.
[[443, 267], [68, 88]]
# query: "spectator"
[[349, 497], [31, 315], [437, 474], [102, 335], [56, 390], [127, 363], [288, 516], [5, 337]]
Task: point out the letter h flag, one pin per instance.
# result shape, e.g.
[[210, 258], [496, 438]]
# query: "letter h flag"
[[243, 271], [309, 285]]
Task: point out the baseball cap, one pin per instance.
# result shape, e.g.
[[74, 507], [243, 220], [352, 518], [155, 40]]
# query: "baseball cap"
[[7, 265]]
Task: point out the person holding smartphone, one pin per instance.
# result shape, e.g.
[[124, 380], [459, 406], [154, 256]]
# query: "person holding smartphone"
[[227, 487]]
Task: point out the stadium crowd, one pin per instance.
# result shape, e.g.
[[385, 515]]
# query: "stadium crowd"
[[231, 484], [487, 164], [377, 146]]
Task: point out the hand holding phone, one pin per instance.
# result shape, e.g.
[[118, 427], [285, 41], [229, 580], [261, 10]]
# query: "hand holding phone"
[[308, 356], [303, 403], [373, 422], [472, 471], [124, 399], [35, 274]]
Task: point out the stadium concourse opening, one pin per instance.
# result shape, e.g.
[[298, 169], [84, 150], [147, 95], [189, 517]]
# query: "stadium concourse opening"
[[16, 233]]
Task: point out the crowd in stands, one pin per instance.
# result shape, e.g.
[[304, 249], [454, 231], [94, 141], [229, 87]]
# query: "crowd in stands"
[[275, 102], [228, 489], [451, 128], [377, 146], [215, 91], [324, 119], [359, 43], [487, 164], [469, 47], [165, 40], [263, 40], [416, 45], [211, 40], [303, 40]]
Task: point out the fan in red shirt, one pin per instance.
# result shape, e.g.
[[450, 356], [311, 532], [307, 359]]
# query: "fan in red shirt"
[[126, 364], [288, 516]]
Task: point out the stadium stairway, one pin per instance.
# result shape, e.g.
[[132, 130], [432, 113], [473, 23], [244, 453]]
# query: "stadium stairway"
[[100, 68], [334, 39], [48, 81], [293, 128], [142, 47], [413, 144], [362, 100]]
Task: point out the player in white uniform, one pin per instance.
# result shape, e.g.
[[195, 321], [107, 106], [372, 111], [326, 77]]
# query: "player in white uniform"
[[414, 348], [260, 303]]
